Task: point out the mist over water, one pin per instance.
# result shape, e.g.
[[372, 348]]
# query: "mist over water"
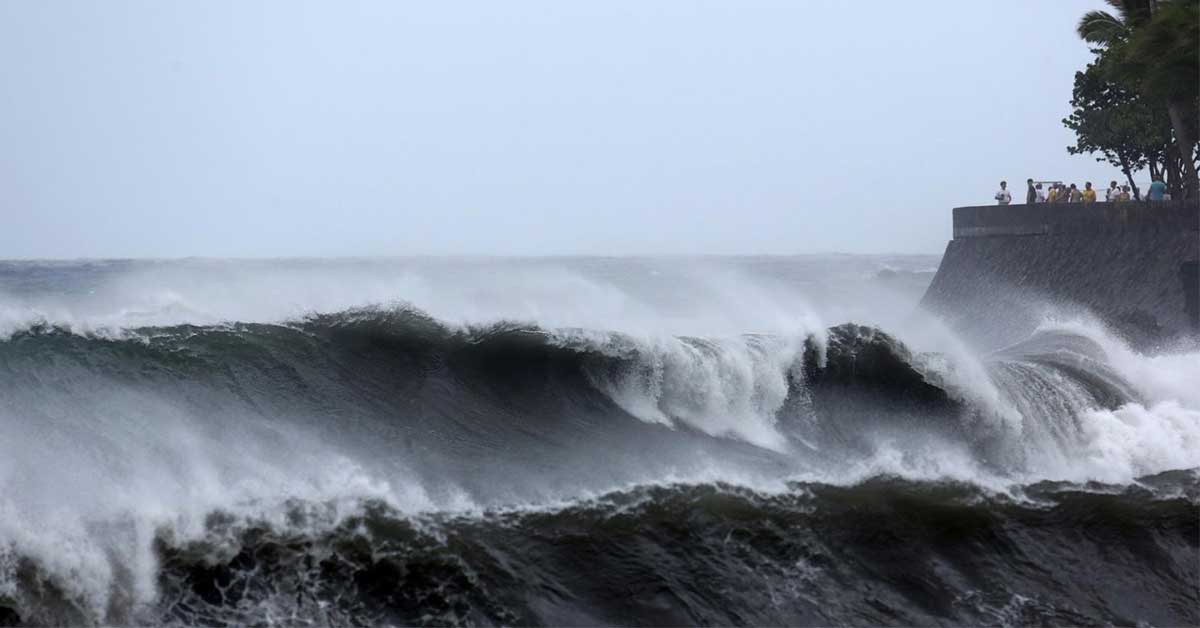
[[419, 441]]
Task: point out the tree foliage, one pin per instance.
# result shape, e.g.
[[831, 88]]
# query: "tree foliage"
[[1102, 27], [1162, 56], [1116, 123], [1138, 103]]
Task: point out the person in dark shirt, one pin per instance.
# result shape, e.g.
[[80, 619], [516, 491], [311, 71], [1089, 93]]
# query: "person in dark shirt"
[[1031, 193], [1073, 195]]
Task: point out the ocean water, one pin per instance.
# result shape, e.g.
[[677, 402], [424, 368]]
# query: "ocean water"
[[577, 441]]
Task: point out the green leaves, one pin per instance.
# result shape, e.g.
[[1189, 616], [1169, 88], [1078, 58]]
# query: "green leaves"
[[1103, 28], [1147, 66], [1112, 120], [1099, 27], [1165, 53]]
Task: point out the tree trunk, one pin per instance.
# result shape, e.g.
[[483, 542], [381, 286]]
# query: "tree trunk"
[[1129, 175], [1186, 143], [1170, 172]]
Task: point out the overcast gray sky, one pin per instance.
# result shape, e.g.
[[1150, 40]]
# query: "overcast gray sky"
[[165, 129]]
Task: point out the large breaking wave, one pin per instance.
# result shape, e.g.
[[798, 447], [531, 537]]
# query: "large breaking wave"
[[382, 465]]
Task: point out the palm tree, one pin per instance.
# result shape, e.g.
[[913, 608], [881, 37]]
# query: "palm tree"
[[1103, 28], [1165, 53], [1155, 47]]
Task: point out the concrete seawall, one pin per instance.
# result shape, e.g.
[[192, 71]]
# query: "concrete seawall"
[[1133, 265]]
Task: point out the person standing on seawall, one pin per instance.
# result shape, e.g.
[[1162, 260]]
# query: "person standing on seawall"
[[1031, 195], [1157, 189], [1113, 193], [1041, 196], [1075, 196], [1089, 195], [1003, 197]]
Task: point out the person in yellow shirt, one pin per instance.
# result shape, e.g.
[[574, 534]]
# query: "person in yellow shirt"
[[1089, 195], [1052, 195]]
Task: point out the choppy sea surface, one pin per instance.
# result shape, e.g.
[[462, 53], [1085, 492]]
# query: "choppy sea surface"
[[577, 441]]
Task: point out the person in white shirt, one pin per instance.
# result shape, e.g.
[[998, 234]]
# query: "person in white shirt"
[[1041, 196], [1111, 194], [1003, 196]]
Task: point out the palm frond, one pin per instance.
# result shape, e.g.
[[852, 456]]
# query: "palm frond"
[[1120, 6], [1123, 7], [1133, 13], [1100, 27]]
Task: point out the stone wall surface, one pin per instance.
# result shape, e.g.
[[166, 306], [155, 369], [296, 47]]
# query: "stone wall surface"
[[1133, 265]]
